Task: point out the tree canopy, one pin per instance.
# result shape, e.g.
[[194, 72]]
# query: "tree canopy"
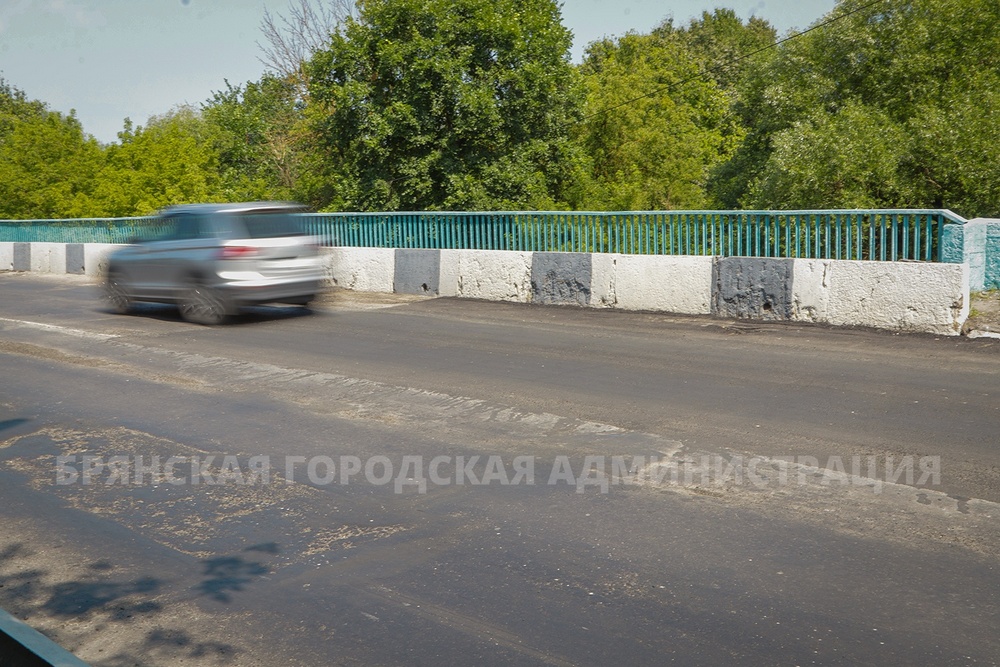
[[658, 114], [474, 104], [47, 163], [892, 105], [430, 104]]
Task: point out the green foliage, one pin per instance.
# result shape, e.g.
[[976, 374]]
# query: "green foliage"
[[658, 112], [845, 159], [953, 157], [721, 43], [445, 104], [258, 138], [47, 163], [473, 104], [889, 106], [170, 161]]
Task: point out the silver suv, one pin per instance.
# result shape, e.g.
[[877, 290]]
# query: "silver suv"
[[211, 259]]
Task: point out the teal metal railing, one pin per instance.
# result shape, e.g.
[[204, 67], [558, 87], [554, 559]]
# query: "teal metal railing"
[[885, 235], [82, 230]]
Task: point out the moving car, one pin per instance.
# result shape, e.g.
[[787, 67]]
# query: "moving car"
[[212, 259]]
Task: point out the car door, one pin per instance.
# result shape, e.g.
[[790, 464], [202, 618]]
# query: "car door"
[[138, 263], [189, 254]]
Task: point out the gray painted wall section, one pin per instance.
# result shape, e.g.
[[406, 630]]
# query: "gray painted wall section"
[[416, 271], [22, 257], [75, 258], [753, 288], [561, 278]]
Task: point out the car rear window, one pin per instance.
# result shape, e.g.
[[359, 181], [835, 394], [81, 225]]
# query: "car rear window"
[[268, 225]]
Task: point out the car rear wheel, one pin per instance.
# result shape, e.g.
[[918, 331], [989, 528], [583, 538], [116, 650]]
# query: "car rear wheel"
[[116, 294], [203, 305]]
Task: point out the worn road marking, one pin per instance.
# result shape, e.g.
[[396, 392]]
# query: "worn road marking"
[[69, 331]]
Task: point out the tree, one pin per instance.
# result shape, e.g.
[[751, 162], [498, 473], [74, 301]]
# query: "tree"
[[47, 163], [655, 127], [953, 157], [172, 160], [846, 159], [905, 87], [259, 133], [438, 104], [721, 44], [293, 37]]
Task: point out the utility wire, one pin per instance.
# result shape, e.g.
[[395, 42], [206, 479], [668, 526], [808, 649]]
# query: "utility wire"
[[732, 62]]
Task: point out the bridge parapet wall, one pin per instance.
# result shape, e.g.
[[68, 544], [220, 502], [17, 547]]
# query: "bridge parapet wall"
[[899, 296]]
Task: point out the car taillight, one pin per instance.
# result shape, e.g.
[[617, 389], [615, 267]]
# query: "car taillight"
[[237, 252]]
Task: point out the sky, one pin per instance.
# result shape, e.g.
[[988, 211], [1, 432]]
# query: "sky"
[[112, 59]]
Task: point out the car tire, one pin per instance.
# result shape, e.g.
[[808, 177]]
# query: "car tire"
[[202, 304], [116, 295]]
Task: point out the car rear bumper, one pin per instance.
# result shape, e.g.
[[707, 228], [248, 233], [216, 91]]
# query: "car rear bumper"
[[248, 292]]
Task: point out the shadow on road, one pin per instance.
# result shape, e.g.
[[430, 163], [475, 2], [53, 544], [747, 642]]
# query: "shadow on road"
[[227, 574], [11, 423], [97, 615], [250, 315]]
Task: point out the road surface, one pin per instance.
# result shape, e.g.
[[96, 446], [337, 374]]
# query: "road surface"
[[649, 489]]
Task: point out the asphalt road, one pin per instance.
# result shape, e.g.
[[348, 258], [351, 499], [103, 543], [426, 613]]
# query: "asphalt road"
[[799, 496]]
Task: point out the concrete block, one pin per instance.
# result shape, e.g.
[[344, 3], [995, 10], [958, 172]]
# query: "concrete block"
[[22, 257], [448, 274], [494, 275], [901, 296], [561, 278], [95, 257], [673, 284], [48, 257], [811, 290], [74, 258], [953, 244], [416, 271], [362, 269], [975, 252], [758, 288], [991, 258], [602, 280], [6, 256], [966, 243]]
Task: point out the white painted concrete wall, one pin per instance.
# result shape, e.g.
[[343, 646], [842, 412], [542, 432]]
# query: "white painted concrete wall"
[[901, 296], [494, 275], [6, 256], [888, 295], [362, 269], [48, 257], [673, 284], [603, 275]]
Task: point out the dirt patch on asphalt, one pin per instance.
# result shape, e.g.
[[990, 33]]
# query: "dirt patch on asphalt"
[[345, 299]]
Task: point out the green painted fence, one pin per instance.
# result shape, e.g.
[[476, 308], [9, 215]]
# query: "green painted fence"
[[83, 230], [885, 235]]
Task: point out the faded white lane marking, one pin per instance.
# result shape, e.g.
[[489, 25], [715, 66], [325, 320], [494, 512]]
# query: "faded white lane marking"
[[69, 331]]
